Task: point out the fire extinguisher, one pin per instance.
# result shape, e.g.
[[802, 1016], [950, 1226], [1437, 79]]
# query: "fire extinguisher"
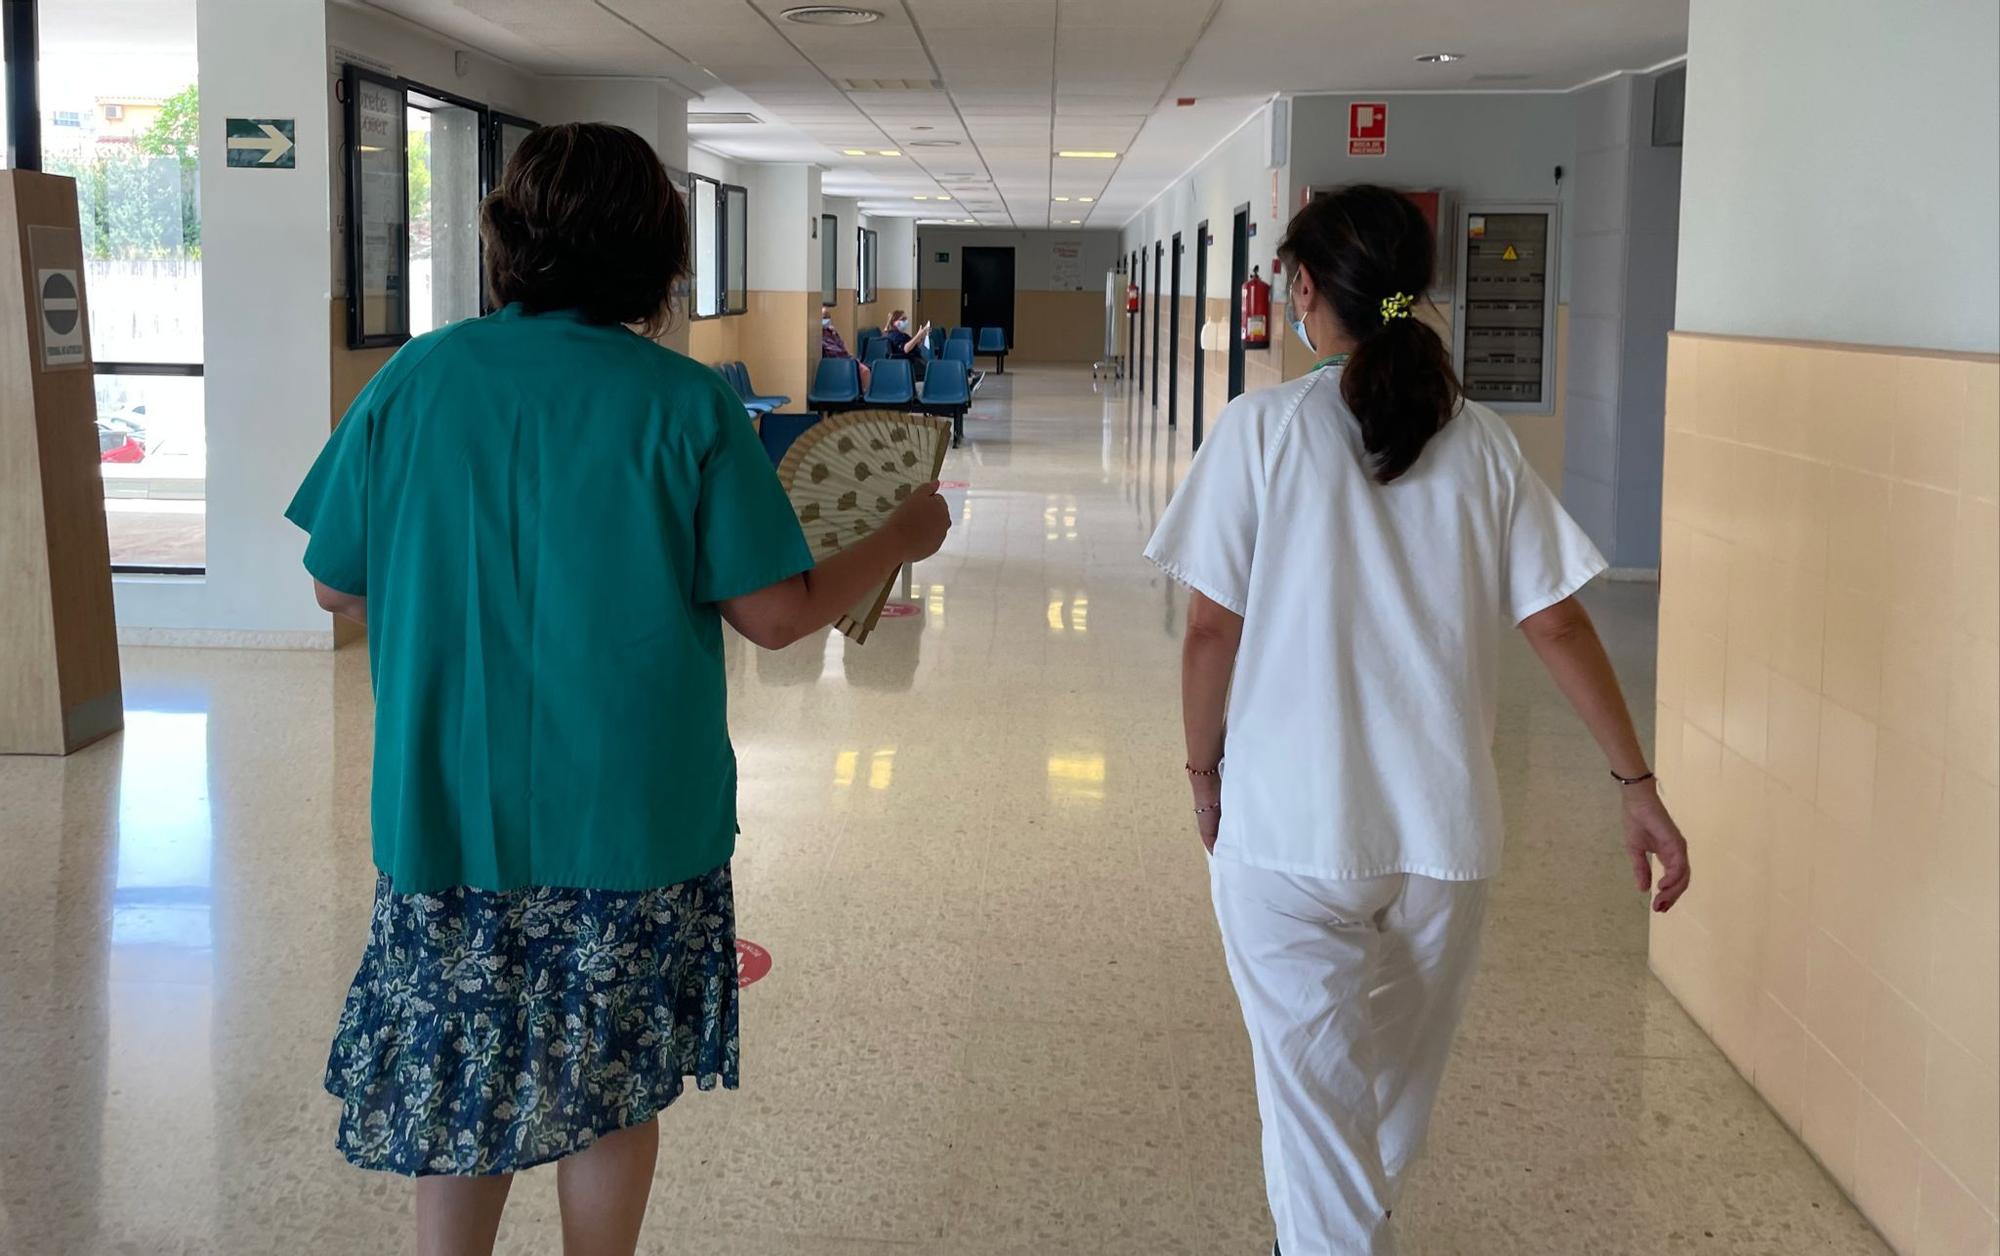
[[1131, 297], [1256, 312]]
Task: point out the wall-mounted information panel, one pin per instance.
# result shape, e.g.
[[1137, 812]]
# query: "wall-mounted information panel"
[[1504, 315]]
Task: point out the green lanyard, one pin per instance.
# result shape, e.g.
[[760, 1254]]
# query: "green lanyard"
[[1338, 359]]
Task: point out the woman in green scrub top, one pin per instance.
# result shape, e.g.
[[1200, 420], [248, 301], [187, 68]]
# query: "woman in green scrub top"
[[543, 517]]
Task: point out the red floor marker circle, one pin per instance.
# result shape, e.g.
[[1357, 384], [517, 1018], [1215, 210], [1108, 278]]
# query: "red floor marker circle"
[[900, 610], [752, 963], [944, 484]]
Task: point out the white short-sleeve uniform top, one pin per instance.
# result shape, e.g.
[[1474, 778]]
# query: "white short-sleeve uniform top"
[[1362, 707]]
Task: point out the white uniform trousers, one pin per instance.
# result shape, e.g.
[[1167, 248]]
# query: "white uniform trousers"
[[1351, 992]]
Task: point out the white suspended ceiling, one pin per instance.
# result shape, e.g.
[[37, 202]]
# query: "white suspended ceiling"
[[977, 96]]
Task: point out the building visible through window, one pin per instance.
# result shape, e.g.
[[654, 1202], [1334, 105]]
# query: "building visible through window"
[[121, 115]]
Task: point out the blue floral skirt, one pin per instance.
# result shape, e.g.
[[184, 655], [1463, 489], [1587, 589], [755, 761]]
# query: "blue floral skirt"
[[489, 1032]]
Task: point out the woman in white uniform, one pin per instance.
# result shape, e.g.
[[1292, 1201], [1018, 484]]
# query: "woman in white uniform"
[[1355, 541]]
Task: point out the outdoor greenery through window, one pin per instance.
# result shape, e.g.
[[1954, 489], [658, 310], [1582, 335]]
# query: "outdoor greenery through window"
[[120, 114]]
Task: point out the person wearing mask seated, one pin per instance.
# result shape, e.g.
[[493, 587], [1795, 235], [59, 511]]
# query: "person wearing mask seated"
[[906, 344], [832, 346]]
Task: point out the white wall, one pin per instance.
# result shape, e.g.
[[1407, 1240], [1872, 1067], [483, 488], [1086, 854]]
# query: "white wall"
[[895, 251], [1034, 255], [1842, 172], [265, 294], [784, 256], [848, 213], [1238, 170]]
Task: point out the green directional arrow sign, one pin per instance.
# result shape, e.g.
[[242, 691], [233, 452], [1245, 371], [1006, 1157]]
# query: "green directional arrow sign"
[[264, 143]]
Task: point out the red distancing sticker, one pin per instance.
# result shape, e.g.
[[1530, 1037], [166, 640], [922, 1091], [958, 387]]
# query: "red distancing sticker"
[[943, 484], [900, 610], [752, 962]]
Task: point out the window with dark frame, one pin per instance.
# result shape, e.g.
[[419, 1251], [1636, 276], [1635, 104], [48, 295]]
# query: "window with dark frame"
[[829, 259], [864, 266], [418, 162], [719, 254]]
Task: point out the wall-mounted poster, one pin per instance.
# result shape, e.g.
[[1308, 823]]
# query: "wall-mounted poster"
[[1066, 266], [378, 210]]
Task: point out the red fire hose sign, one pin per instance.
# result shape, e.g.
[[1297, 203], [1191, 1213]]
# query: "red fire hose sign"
[[753, 962], [1368, 129]]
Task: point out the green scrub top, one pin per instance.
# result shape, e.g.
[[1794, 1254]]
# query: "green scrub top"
[[543, 514]]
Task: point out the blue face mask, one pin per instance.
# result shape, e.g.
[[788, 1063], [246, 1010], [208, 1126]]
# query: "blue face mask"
[[826, 322], [1298, 322], [902, 324]]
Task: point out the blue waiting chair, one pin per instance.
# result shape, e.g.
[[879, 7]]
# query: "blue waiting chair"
[[836, 386], [890, 384], [863, 339], [935, 342], [778, 431], [874, 350], [947, 392], [993, 341], [959, 333], [957, 351], [749, 393], [728, 372]]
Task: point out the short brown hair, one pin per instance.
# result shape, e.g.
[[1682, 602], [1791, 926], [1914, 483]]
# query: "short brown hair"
[[586, 218]]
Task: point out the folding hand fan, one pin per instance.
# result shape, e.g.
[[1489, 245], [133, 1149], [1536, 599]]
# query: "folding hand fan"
[[847, 473]]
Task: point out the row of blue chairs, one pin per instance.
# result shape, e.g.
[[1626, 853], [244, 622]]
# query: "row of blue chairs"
[[737, 376], [947, 389], [871, 345]]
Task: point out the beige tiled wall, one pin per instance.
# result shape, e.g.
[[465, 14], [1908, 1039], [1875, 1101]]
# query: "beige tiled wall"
[[1829, 689]]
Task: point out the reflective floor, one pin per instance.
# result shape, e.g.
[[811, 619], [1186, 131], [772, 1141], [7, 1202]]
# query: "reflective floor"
[[997, 1021]]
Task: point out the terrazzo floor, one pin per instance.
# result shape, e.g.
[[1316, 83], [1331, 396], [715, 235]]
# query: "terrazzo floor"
[[997, 1020]]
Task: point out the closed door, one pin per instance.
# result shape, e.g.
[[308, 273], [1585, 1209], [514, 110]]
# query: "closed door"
[[1159, 264], [988, 296], [1239, 270], [1174, 333], [1139, 334], [1200, 322]]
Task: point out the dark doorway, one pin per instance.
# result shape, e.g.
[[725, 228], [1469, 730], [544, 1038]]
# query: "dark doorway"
[[1139, 331], [1200, 322], [1174, 333], [1159, 281], [988, 296], [1239, 270]]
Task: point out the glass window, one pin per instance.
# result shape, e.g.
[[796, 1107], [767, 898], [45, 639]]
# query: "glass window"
[[865, 268], [121, 113], [507, 136], [829, 259], [378, 210], [735, 250], [705, 257], [442, 154]]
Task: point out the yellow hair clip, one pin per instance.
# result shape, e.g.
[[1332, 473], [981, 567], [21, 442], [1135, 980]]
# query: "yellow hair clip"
[[1397, 306]]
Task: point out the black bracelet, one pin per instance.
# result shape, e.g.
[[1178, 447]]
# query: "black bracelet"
[[1632, 780]]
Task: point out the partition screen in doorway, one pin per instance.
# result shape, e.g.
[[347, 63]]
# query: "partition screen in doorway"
[[987, 276]]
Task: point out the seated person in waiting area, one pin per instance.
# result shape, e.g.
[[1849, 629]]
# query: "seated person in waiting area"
[[832, 346], [904, 343]]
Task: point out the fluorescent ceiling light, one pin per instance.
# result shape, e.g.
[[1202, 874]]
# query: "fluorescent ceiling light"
[[888, 152], [855, 152], [1062, 198], [1441, 58], [1093, 154], [1076, 222], [1086, 199], [830, 15]]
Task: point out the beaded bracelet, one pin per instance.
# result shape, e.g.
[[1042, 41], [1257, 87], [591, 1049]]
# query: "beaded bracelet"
[[1192, 770], [1633, 780]]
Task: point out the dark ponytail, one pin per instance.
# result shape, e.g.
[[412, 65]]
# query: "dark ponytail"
[[1369, 250]]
